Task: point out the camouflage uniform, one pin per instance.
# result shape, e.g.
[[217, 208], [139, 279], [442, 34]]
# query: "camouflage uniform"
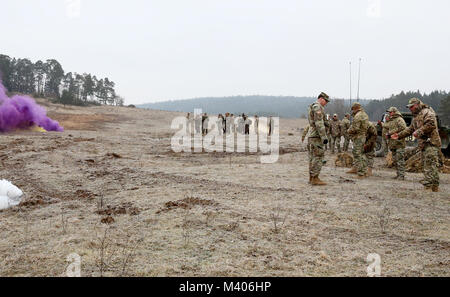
[[357, 131], [426, 127], [316, 139], [369, 146], [305, 133], [345, 125], [396, 124], [328, 131], [335, 127]]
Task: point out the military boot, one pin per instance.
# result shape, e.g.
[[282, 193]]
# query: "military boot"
[[427, 188], [317, 182], [435, 188], [369, 172], [353, 171]]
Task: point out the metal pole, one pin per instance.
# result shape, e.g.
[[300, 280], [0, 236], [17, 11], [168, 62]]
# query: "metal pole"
[[350, 83], [359, 77]]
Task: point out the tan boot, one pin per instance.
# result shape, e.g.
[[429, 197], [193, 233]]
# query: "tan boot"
[[435, 188], [317, 182], [427, 188], [369, 172], [353, 171]]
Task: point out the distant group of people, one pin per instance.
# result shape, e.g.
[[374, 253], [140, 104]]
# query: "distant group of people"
[[363, 134], [228, 123]]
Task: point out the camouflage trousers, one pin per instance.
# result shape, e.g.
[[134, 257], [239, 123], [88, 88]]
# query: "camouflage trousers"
[[398, 155], [336, 142], [316, 155], [328, 146], [430, 158], [385, 146], [370, 158], [346, 144], [360, 161]]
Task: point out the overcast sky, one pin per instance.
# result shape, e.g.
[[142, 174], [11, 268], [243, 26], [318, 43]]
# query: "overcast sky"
[[175, 49]]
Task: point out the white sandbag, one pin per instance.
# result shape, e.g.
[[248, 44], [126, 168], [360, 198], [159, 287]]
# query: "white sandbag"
[[10, 195]]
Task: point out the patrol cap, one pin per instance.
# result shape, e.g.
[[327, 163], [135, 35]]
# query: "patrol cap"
[[335, 115], [356, 104], [392, 109], [413, 101], [347, 114], [324, 96]]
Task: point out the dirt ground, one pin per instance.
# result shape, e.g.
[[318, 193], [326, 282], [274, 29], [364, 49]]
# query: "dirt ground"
[[110, 190]]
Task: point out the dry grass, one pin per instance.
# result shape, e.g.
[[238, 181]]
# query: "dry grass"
[[261, 219]]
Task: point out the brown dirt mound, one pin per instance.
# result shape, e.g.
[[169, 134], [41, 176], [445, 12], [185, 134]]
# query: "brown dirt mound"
[[124, 208], [389, 160], [186, 203], [414, 163], [344, 160]]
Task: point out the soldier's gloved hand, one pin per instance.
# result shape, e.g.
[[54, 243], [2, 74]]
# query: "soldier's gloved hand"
[[325, 141]]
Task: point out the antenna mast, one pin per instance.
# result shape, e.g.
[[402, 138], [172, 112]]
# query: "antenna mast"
[[359, 77], [350, 83]]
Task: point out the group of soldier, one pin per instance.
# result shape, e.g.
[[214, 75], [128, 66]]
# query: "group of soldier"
[[335, 130], [228, 123], [363, 134]]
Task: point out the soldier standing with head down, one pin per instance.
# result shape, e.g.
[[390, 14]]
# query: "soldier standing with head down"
[[369, 147], [358, 132], [317, 138], [424, 127], [345, 125], [335, 127], [396, 124]]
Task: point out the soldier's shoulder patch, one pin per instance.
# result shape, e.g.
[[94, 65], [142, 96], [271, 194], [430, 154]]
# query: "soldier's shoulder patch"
[[316, 107]]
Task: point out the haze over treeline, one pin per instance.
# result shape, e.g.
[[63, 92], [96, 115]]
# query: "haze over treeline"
[[291, 107]]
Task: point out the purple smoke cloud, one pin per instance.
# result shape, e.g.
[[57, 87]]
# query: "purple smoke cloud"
[[22, 112]]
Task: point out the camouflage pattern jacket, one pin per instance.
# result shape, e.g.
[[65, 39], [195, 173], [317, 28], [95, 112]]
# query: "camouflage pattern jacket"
[[371, 138], [395, 124], [425, 124], [345, 125], [335, 128], [359, 125], [316, 117]]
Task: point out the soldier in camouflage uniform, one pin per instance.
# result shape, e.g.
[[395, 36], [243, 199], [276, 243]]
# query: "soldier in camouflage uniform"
[[369, 147], [345, 125], [396, 124], [335, 127], [358, 132], [317, 138], [424, 127], [326, 121]]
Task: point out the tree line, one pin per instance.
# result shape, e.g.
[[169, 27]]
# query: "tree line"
[[436, 99], [48, 80]]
